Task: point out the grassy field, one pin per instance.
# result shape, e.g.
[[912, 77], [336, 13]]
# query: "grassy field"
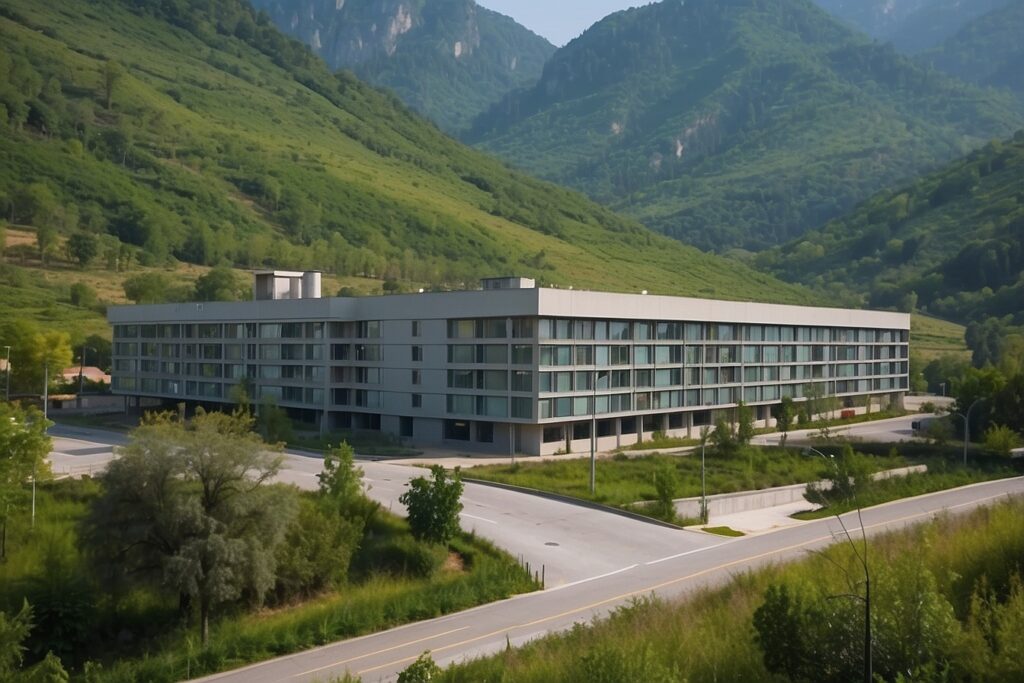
[[622, 480], [144, 641], [962, 572], [931, 337]]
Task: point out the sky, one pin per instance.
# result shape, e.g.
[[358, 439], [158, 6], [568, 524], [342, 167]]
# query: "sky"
[[558, 20]]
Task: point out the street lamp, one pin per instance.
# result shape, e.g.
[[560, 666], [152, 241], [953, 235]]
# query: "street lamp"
[[593, 434], [81, 374], [863, 559], [967, 424]]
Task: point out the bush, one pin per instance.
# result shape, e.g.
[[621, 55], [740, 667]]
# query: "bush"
[[82, 295], [434, 505], [404, 556], [1001, 439], [422, 670]]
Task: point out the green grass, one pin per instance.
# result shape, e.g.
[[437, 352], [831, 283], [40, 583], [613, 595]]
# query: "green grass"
[[941, 475], [160, 650], [932, 338], [622, 481], [723, 531], [708, 636]]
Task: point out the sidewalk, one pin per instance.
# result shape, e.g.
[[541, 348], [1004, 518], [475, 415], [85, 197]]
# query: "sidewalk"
[[754, 522]]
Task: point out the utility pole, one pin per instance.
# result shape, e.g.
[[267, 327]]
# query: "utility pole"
[[593, 435], [46, 388], [81, 374]]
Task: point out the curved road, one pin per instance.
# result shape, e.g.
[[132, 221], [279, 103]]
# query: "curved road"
[[595, 561]]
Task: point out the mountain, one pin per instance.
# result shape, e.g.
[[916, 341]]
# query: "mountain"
[[447, 59], [988, 51], [161, 132], [952, 242], [910, 25], [737, 123]]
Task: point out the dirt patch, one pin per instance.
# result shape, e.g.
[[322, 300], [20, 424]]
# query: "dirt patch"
[[454, 563]]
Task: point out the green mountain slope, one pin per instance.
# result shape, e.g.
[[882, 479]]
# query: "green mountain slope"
[[987, 51], [224, 140], [736, 123], [448, 59], [953, 242], [911, 25]]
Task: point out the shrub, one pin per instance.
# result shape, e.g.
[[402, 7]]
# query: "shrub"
[[434, 505], [422, 670], [405, 556], [1001, 439]]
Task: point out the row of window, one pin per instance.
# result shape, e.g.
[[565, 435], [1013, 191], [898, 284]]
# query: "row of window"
[[604, 356], [564, 328]]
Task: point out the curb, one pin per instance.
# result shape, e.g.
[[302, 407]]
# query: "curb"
[[575, 501]]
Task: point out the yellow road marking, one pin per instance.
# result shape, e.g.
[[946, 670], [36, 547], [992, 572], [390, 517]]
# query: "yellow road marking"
[[372, 654], [666, 584]]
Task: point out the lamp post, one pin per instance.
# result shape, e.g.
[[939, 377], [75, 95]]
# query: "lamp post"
[[862, 557], [967, 424], [81, 374], [593, 434]]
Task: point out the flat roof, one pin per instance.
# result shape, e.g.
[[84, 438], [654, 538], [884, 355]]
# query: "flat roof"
[[544, 302]]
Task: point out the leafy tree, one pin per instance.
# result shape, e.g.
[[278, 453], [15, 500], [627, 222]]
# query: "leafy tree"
[[187, 506], [1001, 439], [32, 353], [744, 424], [341, 479], [423, 670], [273, 422], [82, 295], [83, 247], [147, 288], [113, 73], [846, 477], [219, 284], [24, 446], [724, 437], [14, 631], [666, 486], [784, 414], [434, 505]]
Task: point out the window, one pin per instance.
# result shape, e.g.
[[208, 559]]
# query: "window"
[[494, 328], [456, 430], [485, 432], [417, 400], [522, 328], [493, 380], [460, 405], [522, 408], [584, 355], [522, 355], [494, 354], [461, 353], [461, 379], [405, 427], [642, 355], [417, 328], [417, 354], [417, 377], [522, 380]]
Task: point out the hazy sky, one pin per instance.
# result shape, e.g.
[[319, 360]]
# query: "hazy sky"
[[559, 20]]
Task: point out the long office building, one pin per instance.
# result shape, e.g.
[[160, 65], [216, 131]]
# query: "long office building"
[[510, 368]]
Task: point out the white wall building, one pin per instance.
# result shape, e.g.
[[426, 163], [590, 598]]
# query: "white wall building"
[[511, 367]]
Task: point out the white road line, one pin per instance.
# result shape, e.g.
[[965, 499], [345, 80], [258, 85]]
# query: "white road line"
[[595, 578], [688, 552], [466, 514]]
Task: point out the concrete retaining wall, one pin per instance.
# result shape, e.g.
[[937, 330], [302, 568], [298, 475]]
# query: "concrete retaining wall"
[[744, 501]]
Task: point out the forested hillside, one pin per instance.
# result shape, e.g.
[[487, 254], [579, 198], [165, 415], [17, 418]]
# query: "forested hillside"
[[911, 25], [951, 244], [739, 123], [987, 51], [196, 131], [448, 59]]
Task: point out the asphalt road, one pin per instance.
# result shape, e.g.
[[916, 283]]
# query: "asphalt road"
[[487, 629]]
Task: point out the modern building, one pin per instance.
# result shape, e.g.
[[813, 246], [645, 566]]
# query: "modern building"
[[508, 368]]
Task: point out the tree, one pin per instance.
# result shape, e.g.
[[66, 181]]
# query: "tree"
[[434, 505], [666, 486], [46, 236], [82, 295], [219, 284], [83, 247], [423, 670], [14, 631], [783, 414], [724, 437], [273, 422], [744, 424], [187, 506], [113, 72], [24, 446], [1001, 439], [32, 352], [147, 288], [341, 479]]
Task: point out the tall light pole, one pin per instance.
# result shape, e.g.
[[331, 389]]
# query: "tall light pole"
[[967, 424], [7, 378], [81, 374], [862, 557], [593, 433], [703, 480]]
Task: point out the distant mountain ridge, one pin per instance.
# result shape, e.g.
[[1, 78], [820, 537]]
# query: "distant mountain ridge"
[[988, 50], [737, 123], [448, 59], [951, 243], [910, 25]]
